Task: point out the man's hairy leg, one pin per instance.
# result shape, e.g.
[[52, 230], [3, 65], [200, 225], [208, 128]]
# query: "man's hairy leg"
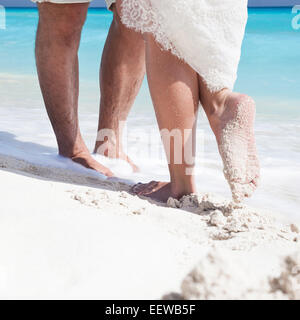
[[57, 44], [121, 76]]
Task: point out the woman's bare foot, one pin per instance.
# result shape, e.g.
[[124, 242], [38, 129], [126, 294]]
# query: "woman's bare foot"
[[85, 159], [109, 150], [233, 126], [160, 191]]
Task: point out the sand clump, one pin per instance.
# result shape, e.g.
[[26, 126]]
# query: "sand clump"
[[216, 277], [222, 222], [103, 200], [226, 274], [231, 233], [228, 220], [288, 282]]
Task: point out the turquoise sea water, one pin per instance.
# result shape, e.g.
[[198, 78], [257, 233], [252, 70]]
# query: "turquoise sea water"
[[269, 71], [269, 66]]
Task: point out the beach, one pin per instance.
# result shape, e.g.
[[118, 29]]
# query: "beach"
[[25, 130], [88, 238], [67, 232]]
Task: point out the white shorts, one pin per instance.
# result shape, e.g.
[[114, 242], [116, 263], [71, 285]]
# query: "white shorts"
[[108, 2]]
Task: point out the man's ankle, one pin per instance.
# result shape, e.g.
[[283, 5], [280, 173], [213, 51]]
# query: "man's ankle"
[[73, 152]]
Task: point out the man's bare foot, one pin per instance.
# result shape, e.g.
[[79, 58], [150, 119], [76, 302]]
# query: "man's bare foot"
[[234, 130], [158, 191], [108, 150], [85, 159]]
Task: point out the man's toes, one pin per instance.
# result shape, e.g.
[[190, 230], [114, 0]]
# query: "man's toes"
[[108, 173], [134, 167], [101, 169], [88, 162]]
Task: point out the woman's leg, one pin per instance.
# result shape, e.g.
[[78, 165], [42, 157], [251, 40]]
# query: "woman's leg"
[[231, 116], [174, 90]]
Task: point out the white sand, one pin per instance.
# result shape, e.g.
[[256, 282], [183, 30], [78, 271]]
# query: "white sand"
[[88, 238]]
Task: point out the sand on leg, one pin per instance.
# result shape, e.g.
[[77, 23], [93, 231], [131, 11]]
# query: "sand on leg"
[[121, 76], [57, 43], [231, 116]]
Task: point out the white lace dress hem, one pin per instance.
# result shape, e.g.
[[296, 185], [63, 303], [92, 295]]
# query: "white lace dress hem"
[[206, 34]]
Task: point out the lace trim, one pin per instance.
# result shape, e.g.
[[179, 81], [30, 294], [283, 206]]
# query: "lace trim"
[[217, 28]]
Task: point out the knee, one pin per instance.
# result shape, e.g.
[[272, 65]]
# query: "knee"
[[63, 26], [68, 34]]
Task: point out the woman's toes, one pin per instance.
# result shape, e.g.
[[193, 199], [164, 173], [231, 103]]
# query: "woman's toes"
[[149, 187], [135, 188], [152, 187], [144, 188], [159, 191]]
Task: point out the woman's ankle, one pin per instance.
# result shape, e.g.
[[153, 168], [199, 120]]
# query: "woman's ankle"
[[183, 187]]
